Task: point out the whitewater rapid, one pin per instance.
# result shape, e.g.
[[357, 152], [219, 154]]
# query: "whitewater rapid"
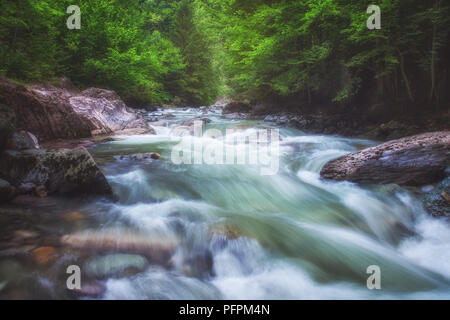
[[294, 235]]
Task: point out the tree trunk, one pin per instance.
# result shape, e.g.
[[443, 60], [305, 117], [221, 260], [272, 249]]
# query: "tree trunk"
[[436, 7], [405, 77]]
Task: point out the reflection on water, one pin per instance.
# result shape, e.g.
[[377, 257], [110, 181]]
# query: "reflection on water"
[[224, 231]]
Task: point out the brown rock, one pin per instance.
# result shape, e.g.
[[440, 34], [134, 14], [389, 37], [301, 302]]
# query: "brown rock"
[[412, 161], [41, 191], [63, 112], [122, 241], [74, 216], [44, 255], [446, 196], [155, 156], [227, 230]]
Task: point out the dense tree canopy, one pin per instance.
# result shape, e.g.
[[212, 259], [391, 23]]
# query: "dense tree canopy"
[[305, 52]]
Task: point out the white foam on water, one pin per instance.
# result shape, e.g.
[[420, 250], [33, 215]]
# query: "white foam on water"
[[431, 249]]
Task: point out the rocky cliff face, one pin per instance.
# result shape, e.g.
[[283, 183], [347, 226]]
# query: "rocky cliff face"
[[52, 112], [411, 161]]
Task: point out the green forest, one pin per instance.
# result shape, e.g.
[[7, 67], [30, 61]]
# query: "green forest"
[[300, 53]]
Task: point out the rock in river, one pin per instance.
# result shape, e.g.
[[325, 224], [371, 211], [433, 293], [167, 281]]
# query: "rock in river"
[[437, 201], [115, 265], [61, 171], [122, 241], [412, 161]]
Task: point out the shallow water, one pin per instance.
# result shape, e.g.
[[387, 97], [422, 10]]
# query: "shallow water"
[[227, 231]]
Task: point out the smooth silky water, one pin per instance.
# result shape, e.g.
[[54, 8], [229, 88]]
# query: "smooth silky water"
[[238, 234]]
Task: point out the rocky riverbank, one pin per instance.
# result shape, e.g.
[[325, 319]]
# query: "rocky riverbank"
[[376, 123], [64, 120]]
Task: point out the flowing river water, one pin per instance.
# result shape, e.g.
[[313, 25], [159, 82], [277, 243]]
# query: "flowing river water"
[[198, 231]]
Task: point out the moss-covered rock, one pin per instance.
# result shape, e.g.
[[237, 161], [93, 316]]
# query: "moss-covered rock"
[[437, 202], [60, 171]]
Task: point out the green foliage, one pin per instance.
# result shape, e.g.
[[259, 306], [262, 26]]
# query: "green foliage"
[[322, 51], [308, 51], [127, 46]]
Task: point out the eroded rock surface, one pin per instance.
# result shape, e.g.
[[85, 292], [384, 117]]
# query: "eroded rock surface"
[[52, 112], [412, 161]]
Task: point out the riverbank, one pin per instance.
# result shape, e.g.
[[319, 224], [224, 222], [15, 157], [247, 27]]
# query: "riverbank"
[[377, 123]]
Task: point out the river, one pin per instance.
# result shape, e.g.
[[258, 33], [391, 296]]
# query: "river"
[[232, 232]]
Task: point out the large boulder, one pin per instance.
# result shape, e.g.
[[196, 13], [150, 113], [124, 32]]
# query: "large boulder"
[[61, 171], [412, 161], [106, 111], [64, 112]]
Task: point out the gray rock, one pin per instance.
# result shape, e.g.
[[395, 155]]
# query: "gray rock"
[[116, 265], [60, 171], [63, 112], [437, 201], [23, 140], [412, 161], [191, 122]]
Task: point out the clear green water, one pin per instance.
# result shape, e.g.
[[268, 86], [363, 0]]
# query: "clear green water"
[[234, 233]]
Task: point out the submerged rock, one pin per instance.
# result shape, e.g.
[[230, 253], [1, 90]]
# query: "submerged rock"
[[44, 255], [155, 156], [60, 171], [193, 121], [74, 216], [140, 156], [122, 241], [41, 191], [412, 161], [115, 265], [26, 188], [91, 289], [437, 201]]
